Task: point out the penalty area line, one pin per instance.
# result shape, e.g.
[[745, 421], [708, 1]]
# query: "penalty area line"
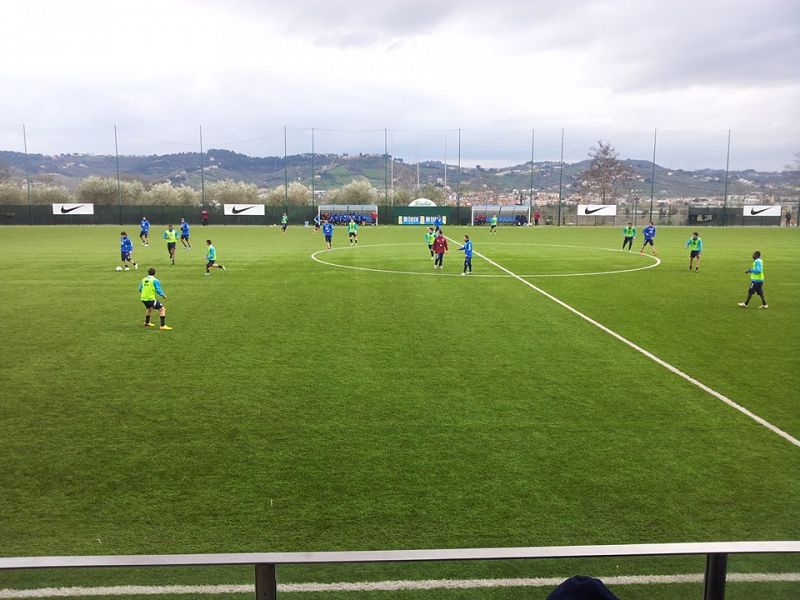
[[648, 354], [382, 586]]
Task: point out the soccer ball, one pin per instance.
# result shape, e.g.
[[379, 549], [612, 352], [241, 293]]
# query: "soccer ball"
[[119, 268]]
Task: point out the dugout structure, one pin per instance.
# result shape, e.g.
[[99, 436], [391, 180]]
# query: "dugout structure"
[[514, 214], [339, 214]]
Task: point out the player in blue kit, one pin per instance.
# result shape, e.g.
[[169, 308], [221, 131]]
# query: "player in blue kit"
[[185, 235], [467, 248], [316, 223], [437, 224], [125, 250], [144, 231], [649, 233], [327, 231]]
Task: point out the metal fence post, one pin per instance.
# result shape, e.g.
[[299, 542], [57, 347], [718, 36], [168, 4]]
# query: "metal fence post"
[[266, 582], [714, 583]]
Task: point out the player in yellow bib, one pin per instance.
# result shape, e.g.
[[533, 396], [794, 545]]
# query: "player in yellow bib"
[[171, 235], [149, 293]]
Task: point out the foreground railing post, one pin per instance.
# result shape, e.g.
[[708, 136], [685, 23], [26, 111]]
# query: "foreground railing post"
[[266, 582], [716, 569]]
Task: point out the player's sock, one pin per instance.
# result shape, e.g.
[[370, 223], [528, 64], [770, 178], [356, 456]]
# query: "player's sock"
[[163, 321], [146, 319]]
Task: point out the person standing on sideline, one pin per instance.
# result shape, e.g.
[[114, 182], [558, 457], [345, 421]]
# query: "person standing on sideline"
[[628, 234], [536, 216], [284, 222], [125, 250], [437, 224], [185, 234], [211, 258], [467, 248], [204, 217], [149, 291], [144, 232], [172, 240], [695, 245], [756, 281], [439, 248], [352, 232], [374, 216], [493, 225], [649, 238], [327, 231], [788, 218], [316, 223], [430, 237]]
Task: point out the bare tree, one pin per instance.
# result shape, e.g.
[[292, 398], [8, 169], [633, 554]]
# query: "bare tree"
[[607, 176]]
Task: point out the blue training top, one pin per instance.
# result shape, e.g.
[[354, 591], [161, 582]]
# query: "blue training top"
[[649, 232], [125, 244], [467, 248], [184, 228], [327, 229], [145, 225]]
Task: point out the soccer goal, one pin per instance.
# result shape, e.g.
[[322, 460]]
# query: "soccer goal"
[[514, 214], [340, 214]]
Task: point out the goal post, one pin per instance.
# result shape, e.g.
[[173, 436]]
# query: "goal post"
[[514, 214], [340, 214]]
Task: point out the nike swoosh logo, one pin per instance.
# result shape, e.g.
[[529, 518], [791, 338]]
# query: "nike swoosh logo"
[[588, 211], [69, 210], [753, 211], [236, 211]]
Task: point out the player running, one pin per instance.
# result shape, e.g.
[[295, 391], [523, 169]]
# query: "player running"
[[172, 241], [649, 233], [149, 291], [695, 245], [756, 281], [284, 222], [493, 225], [327, 231], [437, 224], [439, 248], [316, 223], [185, 234], [125, 250], [144, 232], [628, 234], [352, 232], [211, 258], [467, 248], [429, 239]]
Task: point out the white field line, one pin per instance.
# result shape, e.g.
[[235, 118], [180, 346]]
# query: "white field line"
[[646, 353], [383, 586]]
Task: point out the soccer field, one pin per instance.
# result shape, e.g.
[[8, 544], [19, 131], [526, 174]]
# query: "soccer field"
[[358, 399]]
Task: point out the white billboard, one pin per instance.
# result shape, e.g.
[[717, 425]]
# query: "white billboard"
[[245, 210], [767, 210], [73, 209], [597, 210]]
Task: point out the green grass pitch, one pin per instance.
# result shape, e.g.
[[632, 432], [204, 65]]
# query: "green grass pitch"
[[301, 406]]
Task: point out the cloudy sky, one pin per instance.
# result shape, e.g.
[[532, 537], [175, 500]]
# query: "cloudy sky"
[[611, 69]]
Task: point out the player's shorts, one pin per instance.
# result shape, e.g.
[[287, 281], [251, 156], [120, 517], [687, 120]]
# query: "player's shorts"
[[143, 233], [316, 225], [125, 256], [493, 226], [153, 304], [171, 245], [648, 241], [352, 234], [694, 253], [627, 239], [210, 264], [328, 238], [430, 247], [756, 287], [184, 237]]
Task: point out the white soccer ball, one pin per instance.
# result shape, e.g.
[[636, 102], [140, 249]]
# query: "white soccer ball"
[[119, 268]]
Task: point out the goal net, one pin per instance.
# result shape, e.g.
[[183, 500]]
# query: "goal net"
[[340, 214], [514, 214]]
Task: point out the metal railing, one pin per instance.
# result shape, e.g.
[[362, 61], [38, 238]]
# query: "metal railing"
[[266, 563]]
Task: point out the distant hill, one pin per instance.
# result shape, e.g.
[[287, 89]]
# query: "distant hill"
[[332, 170]]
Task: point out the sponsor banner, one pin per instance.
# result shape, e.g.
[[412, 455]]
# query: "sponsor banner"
[[419, 220], [246, 210], [597, 210], [73, 209], [762, 211]]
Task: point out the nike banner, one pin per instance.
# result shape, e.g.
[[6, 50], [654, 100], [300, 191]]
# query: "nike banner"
[[245, 210], [597, 210], [762, 211], [73, 209]]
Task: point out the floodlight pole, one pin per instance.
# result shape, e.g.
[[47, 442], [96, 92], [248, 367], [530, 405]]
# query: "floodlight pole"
[[533, 139], [560, 179], [313, 169], [202, 174], [653, 174], [727, 165], [27, 174], [445, 164], [385, 166], [285, 174], [417, 163], [119, 186], [458, 180]]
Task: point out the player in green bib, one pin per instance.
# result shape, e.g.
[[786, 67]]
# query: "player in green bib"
[[695, 246], [493, 225], [628, 233], [429, 237], [756, 281], [284, 222], [211, 258], [149, 293], [171, 235], [352, 232]]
